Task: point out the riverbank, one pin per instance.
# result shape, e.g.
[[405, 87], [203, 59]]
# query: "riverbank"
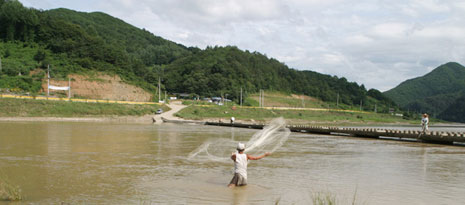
[[214, 113], [44, 110]]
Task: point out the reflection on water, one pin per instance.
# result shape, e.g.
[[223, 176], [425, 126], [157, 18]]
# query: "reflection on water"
[[56, 162]]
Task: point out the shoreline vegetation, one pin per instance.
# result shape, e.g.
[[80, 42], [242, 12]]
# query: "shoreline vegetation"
[[292, 116], [12, 109], [43, 110], [8, 191]]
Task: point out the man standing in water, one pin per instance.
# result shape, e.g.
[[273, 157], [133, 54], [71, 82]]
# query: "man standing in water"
[[240, 165], [424, 123]]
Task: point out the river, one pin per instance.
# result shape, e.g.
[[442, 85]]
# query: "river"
[[77, 163]]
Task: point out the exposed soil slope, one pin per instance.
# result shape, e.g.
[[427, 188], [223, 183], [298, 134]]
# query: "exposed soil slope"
[[101, 86]]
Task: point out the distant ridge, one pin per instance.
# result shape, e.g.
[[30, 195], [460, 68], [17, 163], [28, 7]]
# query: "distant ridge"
[[439, 92]]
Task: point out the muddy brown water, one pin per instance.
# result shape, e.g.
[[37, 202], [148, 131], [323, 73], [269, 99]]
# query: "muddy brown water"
[[76, 163]]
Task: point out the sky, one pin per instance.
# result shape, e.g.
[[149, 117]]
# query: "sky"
[[378, 43]]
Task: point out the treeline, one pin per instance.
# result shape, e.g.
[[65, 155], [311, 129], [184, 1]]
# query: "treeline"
[[78, 42], [217, 71]]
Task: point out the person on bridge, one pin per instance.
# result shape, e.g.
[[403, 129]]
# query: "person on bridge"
[[424, 123], [240, 165]]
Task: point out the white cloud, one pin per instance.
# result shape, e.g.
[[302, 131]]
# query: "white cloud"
[[390, 30], [442, 31], [358, 40], [430, 5], [376, 43], [185, 12], [460, 5]]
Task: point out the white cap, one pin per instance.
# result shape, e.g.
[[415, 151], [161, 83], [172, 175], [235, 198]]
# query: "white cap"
[[240, 146]]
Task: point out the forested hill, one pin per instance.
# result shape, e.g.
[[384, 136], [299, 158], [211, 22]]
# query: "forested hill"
[[73, 41], [218, 70], [151, 49], [438, 92]]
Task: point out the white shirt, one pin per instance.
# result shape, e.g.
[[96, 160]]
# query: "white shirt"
[[240, 165], [424, 121]]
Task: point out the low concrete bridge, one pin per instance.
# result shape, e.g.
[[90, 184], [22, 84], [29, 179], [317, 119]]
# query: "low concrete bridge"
[[429, 137]]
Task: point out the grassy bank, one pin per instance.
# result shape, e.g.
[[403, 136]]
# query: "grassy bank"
[[278, 99], [296, 116], [340, 114], [44, 108]]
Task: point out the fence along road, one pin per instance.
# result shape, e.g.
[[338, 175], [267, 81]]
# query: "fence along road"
[[76, 100]]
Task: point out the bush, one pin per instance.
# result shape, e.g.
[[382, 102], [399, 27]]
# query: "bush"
[[9, 192], [20, 83]]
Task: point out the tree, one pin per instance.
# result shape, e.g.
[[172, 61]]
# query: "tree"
[[40, 55], [7, 53], [16, 21]]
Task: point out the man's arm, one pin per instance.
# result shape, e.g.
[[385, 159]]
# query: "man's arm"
[[233, 157], [259, 157]]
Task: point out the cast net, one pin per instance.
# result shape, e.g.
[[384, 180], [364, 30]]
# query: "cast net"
[[269, 139]]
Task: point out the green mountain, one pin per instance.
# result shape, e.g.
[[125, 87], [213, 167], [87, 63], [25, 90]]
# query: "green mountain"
[[151, 49], [72, 41], [456, 111], [437, 92], [217, 70]]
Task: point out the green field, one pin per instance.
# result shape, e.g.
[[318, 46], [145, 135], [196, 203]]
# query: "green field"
[[215, 112], [44, 108], [279, 99], [197, 110], [342, 114]]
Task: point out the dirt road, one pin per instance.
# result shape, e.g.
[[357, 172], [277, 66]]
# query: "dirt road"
[[175, 107]]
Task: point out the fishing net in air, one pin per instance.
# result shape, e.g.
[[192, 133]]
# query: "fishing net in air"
[[269, 139]]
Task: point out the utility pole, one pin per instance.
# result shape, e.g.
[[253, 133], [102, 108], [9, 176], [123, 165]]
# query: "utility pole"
[[159, 89], [337, 101], [165, 96], [361, 105], [69, 88], [303, 102], [260, 98], [0, 64], [225, 100], [375, 108], [262, 102], [48, 80], [241, 97]]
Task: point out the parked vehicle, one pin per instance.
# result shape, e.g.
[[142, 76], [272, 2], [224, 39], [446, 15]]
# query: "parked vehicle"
[[159, 111]]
